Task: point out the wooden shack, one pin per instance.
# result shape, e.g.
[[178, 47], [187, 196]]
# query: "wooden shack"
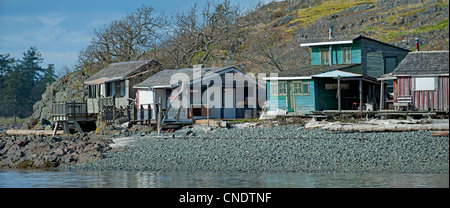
[[423, 76], [200, 96], [113, 85]]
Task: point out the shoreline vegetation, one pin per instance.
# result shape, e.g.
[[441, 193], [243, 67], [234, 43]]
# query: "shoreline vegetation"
[[269, 146]]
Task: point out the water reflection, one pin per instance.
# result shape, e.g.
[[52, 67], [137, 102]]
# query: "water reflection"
[[122, 179]]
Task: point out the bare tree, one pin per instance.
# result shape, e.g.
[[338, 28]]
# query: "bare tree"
[[126, 39], [204, 35], [266, 48]]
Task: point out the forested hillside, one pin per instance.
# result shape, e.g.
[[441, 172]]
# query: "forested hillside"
[[265, 38]]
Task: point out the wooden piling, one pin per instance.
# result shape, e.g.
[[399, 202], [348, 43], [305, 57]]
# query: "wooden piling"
[[142, 114]]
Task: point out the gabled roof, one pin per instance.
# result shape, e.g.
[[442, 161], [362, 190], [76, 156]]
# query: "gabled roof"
[[343, 40], [162, 78], [424, 63], [117, 71]]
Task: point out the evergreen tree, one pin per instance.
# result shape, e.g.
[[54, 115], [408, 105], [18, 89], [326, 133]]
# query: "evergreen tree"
[[23, 82], [46, 79], [6, 66]]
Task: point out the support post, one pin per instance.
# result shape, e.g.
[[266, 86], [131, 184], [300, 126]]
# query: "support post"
[[382, 96], [56, 128], [77, 125], [134, 113], [142, 114], [339, 93], [66, 127], [361, 94], [158, 120], [149, 115], [207, 101]]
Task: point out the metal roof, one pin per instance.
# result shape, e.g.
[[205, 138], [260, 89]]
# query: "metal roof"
[[337, 73]]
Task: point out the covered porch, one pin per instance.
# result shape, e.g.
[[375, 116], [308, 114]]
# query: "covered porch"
[[346, 91]]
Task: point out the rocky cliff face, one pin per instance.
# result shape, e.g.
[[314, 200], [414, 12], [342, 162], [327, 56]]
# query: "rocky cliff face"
[[68, 88]]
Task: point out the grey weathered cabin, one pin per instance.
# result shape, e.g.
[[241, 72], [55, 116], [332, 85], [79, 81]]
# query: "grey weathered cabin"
[[112, 85], [228, 105]]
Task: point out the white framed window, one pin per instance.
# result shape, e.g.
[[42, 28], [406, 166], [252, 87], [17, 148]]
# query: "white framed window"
[[301, 88], [273, 88], [282, 88], [324, 56], [425, 83], [346, 55]]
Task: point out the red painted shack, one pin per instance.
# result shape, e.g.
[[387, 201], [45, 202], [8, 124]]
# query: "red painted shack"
[[424, 75]]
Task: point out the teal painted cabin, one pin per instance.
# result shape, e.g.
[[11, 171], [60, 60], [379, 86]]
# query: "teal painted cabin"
[[301, 91], [291, 95]]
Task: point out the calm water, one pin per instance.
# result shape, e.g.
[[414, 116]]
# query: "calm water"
[[118, 179]]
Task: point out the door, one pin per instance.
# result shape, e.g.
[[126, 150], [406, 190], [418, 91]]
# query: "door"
[[390, 63], [229, 103], [290, 97]]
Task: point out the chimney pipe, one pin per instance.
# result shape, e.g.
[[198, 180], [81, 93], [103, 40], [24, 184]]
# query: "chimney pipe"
[[198, 67], [330, 33], [417, 44]]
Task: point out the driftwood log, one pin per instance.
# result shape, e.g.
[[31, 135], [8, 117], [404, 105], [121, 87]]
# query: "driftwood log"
[[440, 133], [390, 127], [379, 126], [32, 132]]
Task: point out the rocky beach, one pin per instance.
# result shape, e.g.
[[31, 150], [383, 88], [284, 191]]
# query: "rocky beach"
[[242, 147], [276, 148], [31, 152]]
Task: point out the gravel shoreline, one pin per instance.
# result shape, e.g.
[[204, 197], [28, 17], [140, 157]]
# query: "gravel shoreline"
[[283, 148]]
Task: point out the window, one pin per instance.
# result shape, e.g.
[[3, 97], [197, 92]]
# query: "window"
[[109, 89], [282, 88], [305, 88], [297, 88], [344, 86], [98, 88], [424, 83], [301, 88], [274, 89], [346, 55], [120, 89], [91, 91], [324, 56]]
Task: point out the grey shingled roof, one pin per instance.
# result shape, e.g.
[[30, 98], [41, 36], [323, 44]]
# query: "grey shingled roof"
[[347, 38], [162, 78], [423, 62], [121, 69], [310, 70]]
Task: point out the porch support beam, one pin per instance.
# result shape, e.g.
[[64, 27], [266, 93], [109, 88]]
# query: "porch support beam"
[[382, 96], [339, 93], [361, 94]]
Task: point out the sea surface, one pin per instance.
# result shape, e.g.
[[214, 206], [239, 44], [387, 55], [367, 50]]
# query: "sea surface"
[[127, 179]]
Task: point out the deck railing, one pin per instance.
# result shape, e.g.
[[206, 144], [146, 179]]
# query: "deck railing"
[[106, 101], [69, 110]]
